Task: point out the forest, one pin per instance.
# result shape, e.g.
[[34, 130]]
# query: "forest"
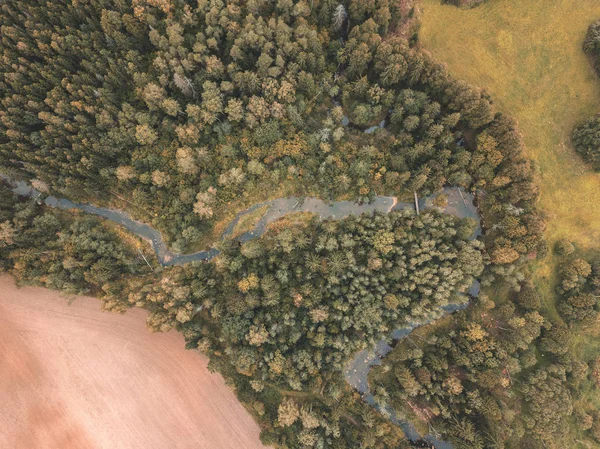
[[197, 114], [182, 112], [281, 315]]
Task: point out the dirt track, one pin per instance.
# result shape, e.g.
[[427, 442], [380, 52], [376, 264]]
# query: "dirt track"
[[75, 377]]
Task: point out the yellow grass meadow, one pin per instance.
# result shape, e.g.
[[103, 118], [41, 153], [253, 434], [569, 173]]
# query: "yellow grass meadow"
[[527, 54]]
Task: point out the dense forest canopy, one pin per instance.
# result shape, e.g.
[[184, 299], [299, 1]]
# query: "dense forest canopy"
[[182, 108], [294, 302]]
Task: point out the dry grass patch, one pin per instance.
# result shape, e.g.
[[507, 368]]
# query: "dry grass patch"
[[291, 220], [528, 56]]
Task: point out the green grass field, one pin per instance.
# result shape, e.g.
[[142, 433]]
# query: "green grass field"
[[527, 55]]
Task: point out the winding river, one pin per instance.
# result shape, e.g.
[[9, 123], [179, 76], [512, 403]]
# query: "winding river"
[[460, 203]]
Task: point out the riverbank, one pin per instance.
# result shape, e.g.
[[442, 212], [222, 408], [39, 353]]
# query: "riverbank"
[[72, 376], [275, 209]]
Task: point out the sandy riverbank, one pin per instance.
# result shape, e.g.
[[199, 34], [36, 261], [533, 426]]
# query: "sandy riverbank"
[[72, 376]]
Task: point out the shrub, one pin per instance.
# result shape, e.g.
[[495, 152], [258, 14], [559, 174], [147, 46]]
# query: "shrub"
[[563, 247], [529, 298], [586, 139]]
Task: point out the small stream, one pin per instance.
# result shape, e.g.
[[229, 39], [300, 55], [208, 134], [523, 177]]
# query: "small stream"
[[278, 208], [460, 203]]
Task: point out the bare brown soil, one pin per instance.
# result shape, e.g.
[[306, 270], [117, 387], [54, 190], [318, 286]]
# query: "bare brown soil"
[[72, 376]]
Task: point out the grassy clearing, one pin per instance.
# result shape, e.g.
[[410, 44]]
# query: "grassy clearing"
[[528, 56], [291, 220]]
